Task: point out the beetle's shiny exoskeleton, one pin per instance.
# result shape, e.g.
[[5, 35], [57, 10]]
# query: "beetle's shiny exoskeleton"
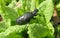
[[26, 17]]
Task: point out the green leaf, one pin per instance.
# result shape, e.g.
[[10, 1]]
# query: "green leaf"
[[5, 24], [51, 28], [35, 4], [12, 4], [38, 30], [46, 9], [58, 6], [2, 2], [58, 30], [28, 5], [48, 12], [9, 13], [13, 32]]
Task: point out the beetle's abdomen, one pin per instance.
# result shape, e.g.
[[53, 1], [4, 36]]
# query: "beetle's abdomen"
[[25, 18]]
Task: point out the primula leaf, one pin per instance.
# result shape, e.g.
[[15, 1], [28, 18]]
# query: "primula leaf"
[[13, 32], [37, 30], [9, 13], [5, 24], [48, 12]]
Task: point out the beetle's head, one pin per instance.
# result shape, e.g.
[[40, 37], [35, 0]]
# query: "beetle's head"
[[35, 11]]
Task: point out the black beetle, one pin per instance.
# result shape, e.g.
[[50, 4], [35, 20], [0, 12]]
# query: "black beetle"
[[26, 17]]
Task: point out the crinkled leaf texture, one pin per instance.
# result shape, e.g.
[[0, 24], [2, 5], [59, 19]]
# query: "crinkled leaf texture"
[[5, 24], [13, 32], [39, 30], [48, 12]]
